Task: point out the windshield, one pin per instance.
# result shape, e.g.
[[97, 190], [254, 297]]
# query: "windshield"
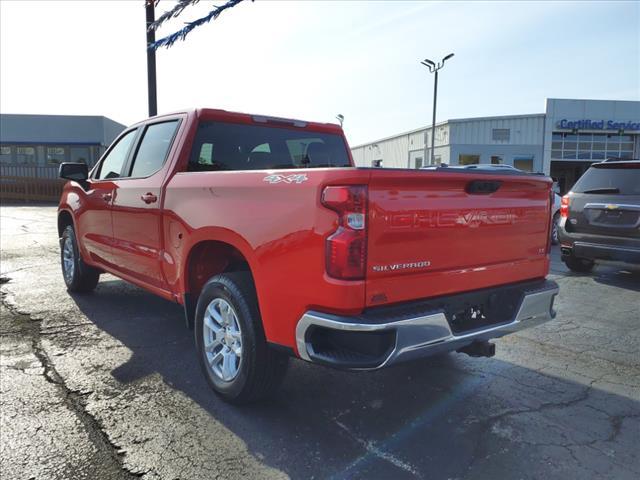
[[625, 181], [230, 146]]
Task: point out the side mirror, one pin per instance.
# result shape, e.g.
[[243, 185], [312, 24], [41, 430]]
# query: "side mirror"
[[74, 171]]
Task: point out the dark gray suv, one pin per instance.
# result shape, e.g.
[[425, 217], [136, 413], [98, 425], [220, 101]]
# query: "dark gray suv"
[[600, 216]]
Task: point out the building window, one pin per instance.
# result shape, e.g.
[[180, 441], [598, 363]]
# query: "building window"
[[468, 159], [523, 162], [497, 159], [26, 155], [96, 153], [80, 155], [5, 154], [590, 146], [206, 154], [501, 134], [418, 162], [55, 155]]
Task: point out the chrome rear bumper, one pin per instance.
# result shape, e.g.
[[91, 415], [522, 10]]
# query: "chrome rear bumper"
[[418, 335]]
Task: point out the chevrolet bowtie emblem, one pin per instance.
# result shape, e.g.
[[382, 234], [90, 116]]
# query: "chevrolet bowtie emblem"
[[611, 207]]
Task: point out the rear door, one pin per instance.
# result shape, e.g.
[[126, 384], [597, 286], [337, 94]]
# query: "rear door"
[[136, 208], [433, 232], [606, 201]]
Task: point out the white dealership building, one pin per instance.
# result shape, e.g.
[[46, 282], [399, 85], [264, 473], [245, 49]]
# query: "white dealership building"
[[562, 142]]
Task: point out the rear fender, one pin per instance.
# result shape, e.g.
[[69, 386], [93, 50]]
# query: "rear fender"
[[190, 288]]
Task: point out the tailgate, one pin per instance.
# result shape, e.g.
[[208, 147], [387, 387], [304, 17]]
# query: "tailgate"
[[433, 233]]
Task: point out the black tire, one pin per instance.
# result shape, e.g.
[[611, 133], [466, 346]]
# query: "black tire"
[[579, 265], [554, 229], [261, 368], [82, 278]]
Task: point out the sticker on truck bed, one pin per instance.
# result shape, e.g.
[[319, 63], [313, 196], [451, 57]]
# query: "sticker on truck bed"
[[294, 178]]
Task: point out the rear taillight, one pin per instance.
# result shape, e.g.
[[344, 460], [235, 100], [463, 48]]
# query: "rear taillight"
[[346, 248], [564, 207]]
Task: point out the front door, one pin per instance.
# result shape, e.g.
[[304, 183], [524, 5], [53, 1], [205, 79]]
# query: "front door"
[[94, 223], [136, 207]]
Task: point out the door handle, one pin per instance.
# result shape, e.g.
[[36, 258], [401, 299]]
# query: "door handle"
[[107, 197], [149, 198]]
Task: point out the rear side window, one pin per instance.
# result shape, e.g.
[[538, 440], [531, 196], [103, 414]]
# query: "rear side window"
[[111, 166], [624, 179], [153, 148], [229, 146]]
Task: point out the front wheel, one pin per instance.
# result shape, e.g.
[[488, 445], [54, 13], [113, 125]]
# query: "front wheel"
[[232, 349], [78, 276]]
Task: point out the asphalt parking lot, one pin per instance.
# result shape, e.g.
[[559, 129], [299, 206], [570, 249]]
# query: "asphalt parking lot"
[[107, 386]]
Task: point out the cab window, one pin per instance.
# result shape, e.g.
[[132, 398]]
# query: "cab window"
[[111, 166], [153, 148], [233, 146]]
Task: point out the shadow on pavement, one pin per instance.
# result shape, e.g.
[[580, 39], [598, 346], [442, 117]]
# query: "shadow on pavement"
[[422, 419], [613, 275], [627, 279]]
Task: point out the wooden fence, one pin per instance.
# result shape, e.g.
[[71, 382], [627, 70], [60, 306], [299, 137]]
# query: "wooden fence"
[[27, 183], [29, 171], [25, 189]]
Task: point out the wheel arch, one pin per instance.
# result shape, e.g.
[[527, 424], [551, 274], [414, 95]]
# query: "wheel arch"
[[65, 218], [206, 258]]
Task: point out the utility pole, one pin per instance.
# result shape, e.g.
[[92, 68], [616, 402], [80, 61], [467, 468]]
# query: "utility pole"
[[433, 68], [151, 59]]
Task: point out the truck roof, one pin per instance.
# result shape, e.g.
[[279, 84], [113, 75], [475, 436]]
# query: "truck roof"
[[250, 118], [225, 115]]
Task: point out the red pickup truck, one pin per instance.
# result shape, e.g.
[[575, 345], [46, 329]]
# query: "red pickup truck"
[[277, 246]]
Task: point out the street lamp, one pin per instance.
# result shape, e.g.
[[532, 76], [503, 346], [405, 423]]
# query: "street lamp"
[[433, 68], [340, 118], [151, 59]]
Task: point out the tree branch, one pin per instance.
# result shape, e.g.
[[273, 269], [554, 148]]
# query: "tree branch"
[[174, 12], [183, 32]]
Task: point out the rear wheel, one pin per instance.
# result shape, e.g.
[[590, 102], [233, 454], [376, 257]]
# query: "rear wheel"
[[232, 349], [78, 276], [580, 265]]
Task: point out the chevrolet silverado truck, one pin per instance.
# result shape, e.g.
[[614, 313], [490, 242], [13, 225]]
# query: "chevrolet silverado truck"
[[277, 246]]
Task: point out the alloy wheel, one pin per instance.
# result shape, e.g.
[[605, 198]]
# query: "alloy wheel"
[[68, 260], [222, 339]]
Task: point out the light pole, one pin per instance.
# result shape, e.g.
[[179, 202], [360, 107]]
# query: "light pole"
[[151, 59], [433, 68], [340, 118]]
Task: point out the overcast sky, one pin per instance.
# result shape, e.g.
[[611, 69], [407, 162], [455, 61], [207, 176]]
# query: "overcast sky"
[[313, 60]]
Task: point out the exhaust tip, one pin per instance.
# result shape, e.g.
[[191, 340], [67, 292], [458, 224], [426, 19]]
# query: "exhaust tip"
[[479, 349]]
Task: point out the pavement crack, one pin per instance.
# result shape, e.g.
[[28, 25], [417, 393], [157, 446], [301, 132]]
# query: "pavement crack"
[[76, 401], [4, 279], [56, 330]]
